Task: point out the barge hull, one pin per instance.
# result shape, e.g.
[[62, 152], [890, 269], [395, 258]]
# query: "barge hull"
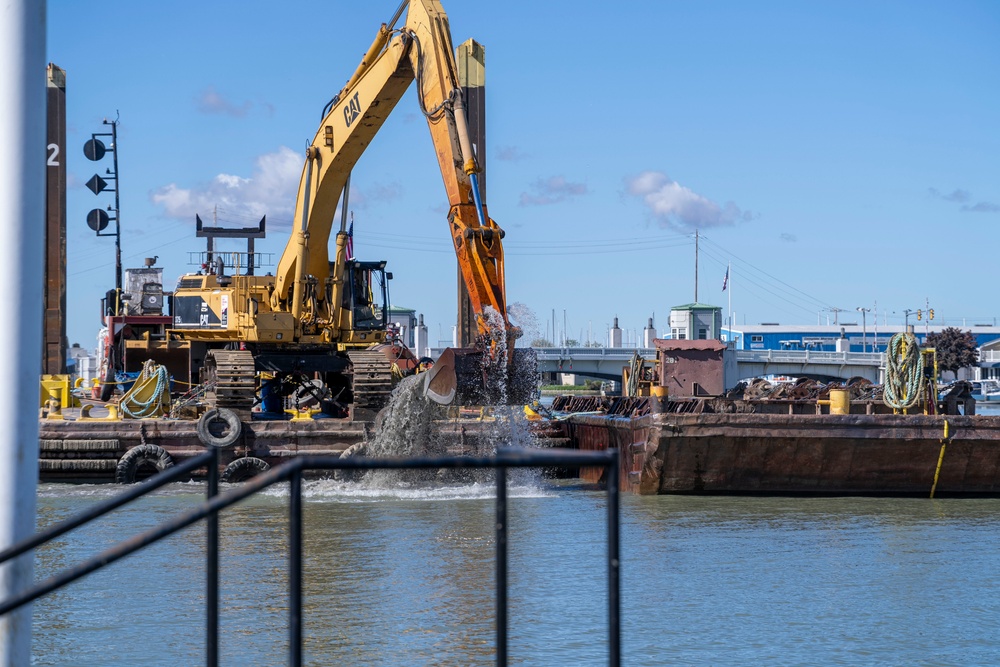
[[829, 455]]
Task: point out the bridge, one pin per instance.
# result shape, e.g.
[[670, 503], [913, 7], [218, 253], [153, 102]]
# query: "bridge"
[[819, 365], [607, 362]]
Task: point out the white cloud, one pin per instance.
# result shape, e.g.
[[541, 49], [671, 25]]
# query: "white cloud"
[[551, 191], [962, 197], [982, 207], [957, 195], [270, 191], [211, 101], [510, 154], [674, 205]]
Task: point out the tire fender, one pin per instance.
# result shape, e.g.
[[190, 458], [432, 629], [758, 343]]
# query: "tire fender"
[[243, 469], [234, 428], [130, 463]]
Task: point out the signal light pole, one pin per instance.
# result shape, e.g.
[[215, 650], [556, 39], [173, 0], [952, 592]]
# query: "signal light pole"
[[98, 219]]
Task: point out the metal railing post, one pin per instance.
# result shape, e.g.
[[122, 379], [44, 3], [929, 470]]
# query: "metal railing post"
[[212, 566], [501, 576], [295, 569], [614, 564]]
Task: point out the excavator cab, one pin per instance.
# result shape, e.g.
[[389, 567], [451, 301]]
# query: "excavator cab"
[[367, 295]]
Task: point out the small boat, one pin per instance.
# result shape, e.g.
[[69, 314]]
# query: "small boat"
[[986, 390]]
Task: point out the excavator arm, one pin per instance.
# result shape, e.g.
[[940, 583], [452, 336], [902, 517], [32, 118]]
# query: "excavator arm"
[[421, 51]]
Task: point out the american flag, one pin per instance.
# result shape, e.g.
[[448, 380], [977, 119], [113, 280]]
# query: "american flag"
[[725, 281], [350, 239]]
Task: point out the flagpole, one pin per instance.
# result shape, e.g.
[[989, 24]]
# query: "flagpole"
[[729, 277]]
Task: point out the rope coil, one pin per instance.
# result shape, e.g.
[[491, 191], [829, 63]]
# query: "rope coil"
[[904, 372], [159, 398]]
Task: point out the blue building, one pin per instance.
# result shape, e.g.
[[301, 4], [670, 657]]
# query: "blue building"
[[833, 338], [854, 338]]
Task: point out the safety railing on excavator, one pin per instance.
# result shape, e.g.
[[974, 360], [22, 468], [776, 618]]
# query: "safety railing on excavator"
[[292, 472]]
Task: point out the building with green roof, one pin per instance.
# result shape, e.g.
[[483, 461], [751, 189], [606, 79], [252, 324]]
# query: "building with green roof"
[[695, 321]]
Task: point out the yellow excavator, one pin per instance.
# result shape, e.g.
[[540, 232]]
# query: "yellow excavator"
[[329, 319]]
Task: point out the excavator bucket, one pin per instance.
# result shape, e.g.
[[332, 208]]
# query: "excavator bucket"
[[468, 377], [440, 382]]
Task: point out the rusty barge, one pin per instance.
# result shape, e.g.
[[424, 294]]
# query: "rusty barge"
[[805, 438], [695, 446], [795, 438], [782, 454], [105, 451]]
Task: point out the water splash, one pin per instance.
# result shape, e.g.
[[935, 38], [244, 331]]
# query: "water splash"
[[410, 425]]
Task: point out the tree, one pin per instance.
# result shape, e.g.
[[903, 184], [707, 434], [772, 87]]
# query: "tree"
[[955, 349], [541, 342]]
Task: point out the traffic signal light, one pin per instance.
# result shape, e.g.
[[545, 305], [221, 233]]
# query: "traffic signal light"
[[920, 315], [931, 313]]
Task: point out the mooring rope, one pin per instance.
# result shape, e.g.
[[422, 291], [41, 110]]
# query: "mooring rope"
[[904, 372], [156, 404]]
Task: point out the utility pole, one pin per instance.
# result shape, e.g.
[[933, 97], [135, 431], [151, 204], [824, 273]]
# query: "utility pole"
[[696, 266], [836, 315], [864, 328]]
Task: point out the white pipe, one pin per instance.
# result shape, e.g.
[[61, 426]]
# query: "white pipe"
[[22, 219]]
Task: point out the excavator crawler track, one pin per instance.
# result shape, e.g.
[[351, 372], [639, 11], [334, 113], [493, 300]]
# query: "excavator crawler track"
[[371, 383], [232, 372]]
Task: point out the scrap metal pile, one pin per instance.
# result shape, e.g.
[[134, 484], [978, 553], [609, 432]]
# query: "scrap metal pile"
[[803, 389]]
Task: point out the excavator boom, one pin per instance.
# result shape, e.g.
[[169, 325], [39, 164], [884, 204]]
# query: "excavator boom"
[[420, 51]]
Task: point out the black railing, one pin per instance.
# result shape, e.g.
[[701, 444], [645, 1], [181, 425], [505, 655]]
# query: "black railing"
[[293, 472]]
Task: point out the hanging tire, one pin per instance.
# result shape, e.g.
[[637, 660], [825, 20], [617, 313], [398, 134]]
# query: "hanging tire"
[[243, 469], [230, 434], [139, 459]]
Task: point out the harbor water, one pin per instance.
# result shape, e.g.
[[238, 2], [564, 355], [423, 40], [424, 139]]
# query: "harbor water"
[[403, 575]]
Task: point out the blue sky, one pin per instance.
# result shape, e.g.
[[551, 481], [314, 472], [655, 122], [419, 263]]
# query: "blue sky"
[[837, 154]]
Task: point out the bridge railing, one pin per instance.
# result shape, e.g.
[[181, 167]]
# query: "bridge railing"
[[624, 353], [750, 356], [590, 353], [811, 357]]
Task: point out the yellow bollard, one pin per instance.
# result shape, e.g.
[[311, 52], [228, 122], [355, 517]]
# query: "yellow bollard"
[[85, 414], [658, 395], [53, 405], [302, 414], [840, 402]]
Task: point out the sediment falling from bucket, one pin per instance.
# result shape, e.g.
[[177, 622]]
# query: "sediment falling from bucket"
[[411, 425]]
